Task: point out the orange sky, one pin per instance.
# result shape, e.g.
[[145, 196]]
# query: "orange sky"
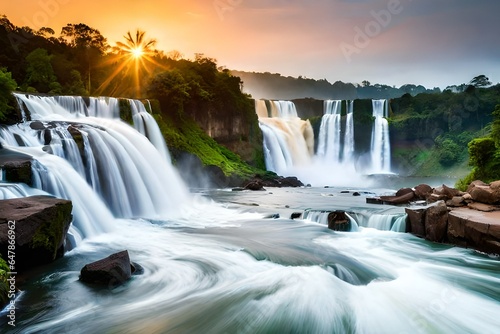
[[429, 42]]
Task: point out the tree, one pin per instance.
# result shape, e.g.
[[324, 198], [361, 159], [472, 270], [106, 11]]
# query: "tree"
[[137, 45], [82, 36], [365, 83], [39, 72], [481, 150], [171, 89], [495, 126], [7, 85], [480, 81]]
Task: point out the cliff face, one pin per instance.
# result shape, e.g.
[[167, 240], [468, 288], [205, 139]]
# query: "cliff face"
[[236, 127]]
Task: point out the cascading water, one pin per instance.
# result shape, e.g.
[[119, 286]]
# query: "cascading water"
[[334, 160], [380, 144], [97, 160], [329, 144], [349, 133], [288, 140]]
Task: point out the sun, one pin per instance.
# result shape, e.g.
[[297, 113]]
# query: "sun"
[[137, 52], [134, 56]]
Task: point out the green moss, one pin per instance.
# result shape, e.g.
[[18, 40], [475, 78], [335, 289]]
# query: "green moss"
[[125, 111], [185, 135], [49, 234], [4, 286]]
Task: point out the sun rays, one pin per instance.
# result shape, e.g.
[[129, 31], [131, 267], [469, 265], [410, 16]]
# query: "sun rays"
[[134, 58]]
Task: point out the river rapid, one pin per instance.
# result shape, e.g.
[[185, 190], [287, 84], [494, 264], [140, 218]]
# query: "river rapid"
[[221, 266]]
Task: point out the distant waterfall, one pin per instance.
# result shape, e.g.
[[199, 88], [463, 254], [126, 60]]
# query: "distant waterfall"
[[288, 140], [329, 144], [380, 144], [85, 153], [349, 133]]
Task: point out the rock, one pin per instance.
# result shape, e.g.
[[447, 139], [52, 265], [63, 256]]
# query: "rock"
[[356, 193], [475, 229], [433, 198], [374, 200], [291, 181], [238, 189], [112, 271], [402, 199], [404, 191], [37, 125], [416, 221], [41, 225], [254, 185], [474, 184], [436, 222], [422, 191], [338, 221], [484, 194], [17, 166], [295, 215], [18, 172], [483, 207], [450, 192], [456, 201]]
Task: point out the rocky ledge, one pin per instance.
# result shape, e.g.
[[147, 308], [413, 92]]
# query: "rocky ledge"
[[39, 225], [468, 219]]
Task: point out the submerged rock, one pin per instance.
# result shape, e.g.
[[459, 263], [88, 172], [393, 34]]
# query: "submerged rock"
[[40, 224], [112, 271]]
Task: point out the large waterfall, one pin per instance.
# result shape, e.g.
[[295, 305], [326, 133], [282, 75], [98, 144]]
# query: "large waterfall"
[[380, 145], [84, 152], [335, 161], [288, 140]]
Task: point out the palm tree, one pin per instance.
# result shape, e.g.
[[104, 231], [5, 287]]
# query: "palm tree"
[[136, 46]]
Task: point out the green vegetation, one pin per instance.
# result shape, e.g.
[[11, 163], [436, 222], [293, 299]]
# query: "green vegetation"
[[431, 132], [183, 134], [7, 85], [195, 92], [4, 286], [484, 155]]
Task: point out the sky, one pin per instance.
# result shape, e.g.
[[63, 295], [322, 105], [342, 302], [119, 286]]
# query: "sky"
[[435, 43]]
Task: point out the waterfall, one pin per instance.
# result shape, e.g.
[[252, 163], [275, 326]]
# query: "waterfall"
[[329, 145], [288, 140], [85, 153], [349, 133], [378, 221], [380, 144]]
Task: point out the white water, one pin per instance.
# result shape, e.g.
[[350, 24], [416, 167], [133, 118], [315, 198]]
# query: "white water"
[[329, 145], [380, 145], [349, 133], [121, 174], [218, 271], [288, 140], [213, 269], [334, 162]]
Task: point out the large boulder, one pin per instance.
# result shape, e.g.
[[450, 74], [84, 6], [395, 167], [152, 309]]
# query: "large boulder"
[[436, 222], [111, 271], [422, 191], [416, 221], [484, 194], [40, 225]]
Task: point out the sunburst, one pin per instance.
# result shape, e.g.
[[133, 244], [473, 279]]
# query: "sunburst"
[[135, 54]]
